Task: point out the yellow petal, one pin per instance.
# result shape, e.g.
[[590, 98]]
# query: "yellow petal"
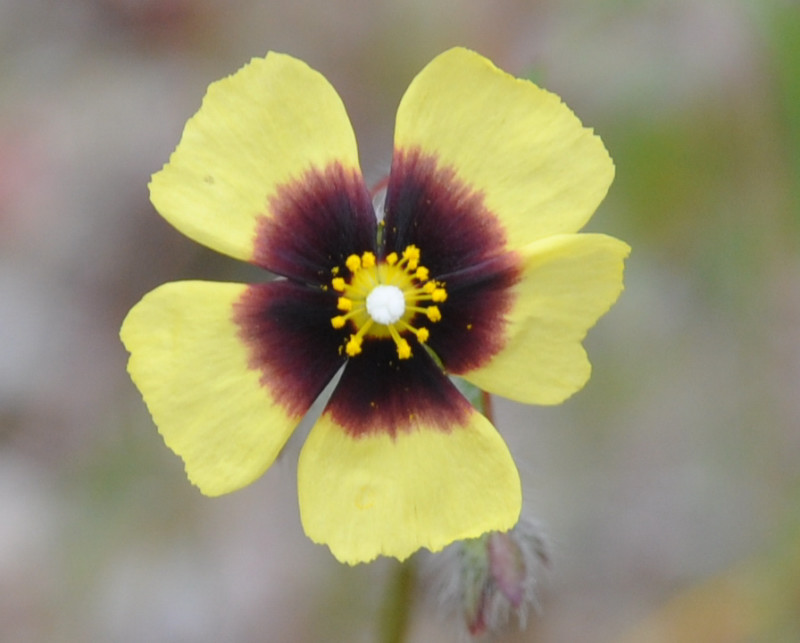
[[266, 124], [539, 170], [372, 494], [192, 370], [568, 282]]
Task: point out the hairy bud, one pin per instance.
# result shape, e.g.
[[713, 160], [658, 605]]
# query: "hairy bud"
[[486, 582]]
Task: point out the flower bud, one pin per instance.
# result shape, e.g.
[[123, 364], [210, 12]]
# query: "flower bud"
[[486, 582]]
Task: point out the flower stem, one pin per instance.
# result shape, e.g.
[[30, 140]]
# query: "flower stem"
[[396, 610], [487, 407]]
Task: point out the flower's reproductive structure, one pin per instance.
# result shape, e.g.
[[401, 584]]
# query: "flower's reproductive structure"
[[384, 298]]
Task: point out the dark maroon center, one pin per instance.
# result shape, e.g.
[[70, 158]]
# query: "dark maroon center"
[[313, 224]]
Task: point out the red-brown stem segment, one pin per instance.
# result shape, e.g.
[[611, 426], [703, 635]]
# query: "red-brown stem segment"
[[487, 406]]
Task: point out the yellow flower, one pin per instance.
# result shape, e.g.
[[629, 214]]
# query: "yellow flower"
[[476, 270]]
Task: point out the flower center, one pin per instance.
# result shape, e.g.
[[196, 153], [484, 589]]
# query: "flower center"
[[385, 298], [386, 304]]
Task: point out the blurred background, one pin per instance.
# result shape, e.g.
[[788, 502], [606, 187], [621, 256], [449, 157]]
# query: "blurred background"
[[669, 488]]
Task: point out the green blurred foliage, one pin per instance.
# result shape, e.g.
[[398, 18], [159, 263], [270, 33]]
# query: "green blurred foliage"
[[784, 38]]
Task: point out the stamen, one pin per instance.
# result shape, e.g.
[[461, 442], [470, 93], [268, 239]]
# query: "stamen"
[[403, 349], [422, 273], [439, 295], [411, 253], [368, 260], [338, 322], [353, 346], [344, 304], [433, 313], [391, 258], [353, 263], [338, 283], [422, 333], [411, 257]]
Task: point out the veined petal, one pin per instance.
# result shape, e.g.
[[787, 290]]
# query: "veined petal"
[[315, 223], [213, 405], [537, 168], [474, 323], [567, 283], [442, 473], [257, 130], [379, 393], [428, 206], [290, 340]]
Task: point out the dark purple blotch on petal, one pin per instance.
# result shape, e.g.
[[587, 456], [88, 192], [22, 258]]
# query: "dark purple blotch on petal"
[[314, 223], [463, 244], [430, 207], [472, 328], [379, 393], [287, 329]]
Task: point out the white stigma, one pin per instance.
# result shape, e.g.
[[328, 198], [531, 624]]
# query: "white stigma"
[[386, 304]]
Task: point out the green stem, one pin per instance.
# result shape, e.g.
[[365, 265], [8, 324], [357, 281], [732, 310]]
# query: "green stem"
[[396, 612]]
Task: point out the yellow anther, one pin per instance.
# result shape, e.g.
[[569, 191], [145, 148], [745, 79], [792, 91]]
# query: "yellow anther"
[[338, 322], [368, 260], [433, 313], [391, 258], [403, 349], [422, 273], [353, 263], [344, 304], [411, 253], [423, 334], [429, 287], [338, 284], [353, 346], [439, 295], [335, 270]]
